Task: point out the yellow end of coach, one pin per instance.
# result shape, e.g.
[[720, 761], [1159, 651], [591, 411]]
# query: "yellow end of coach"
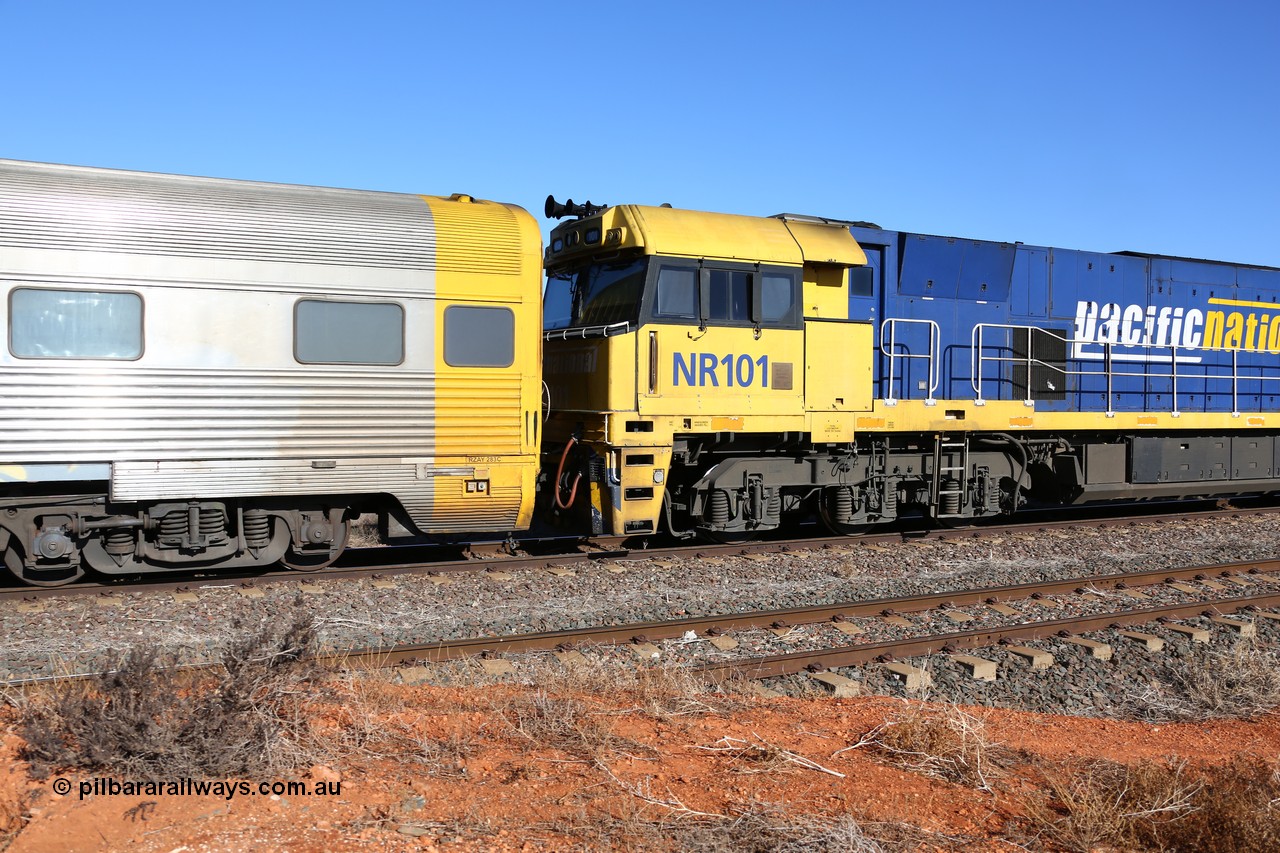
[[487, 358]]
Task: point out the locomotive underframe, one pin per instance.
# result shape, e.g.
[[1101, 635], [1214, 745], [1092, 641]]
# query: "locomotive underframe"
[[730, 486], [726, 486]]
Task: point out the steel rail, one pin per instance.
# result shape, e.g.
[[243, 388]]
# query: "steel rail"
[[822, 659], [788, 617]]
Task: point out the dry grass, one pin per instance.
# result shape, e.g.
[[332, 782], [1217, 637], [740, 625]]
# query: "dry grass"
[[14, 816], [570, 707], [1241, 681], [150, 718], [361, 715], [657, 689], [564, 724], [1154, 806], [757, 828], [364, 532], [760, 756], [941, 741], [770, 831]]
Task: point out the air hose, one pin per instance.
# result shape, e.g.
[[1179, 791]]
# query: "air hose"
[[573, 490]]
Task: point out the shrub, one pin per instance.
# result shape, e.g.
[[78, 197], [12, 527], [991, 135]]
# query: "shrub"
[[1242, 682], [148, 717], [939, 741], [1160, 806]]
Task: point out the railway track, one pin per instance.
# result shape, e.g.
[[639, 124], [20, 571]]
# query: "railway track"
[[391, 561], [1207, 590], [849, 632], [1233, 576]]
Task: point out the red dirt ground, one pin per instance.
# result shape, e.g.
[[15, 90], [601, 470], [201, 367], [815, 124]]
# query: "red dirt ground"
[[596, 775]]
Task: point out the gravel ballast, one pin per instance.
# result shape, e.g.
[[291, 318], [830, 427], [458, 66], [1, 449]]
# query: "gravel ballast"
[[78, 634]]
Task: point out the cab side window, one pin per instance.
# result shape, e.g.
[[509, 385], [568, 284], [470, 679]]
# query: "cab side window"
[[777, 297], [730, 296], [724, 296], [677, 294]]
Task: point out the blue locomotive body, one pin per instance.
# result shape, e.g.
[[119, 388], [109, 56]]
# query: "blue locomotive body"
[[1068, 330]]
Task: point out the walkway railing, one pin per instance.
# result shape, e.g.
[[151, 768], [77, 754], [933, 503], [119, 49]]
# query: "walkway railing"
[[895, 348], [1106, 362]]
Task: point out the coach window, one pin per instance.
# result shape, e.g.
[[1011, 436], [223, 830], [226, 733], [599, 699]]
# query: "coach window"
[[479, 337], [74, 324], [327, 332]]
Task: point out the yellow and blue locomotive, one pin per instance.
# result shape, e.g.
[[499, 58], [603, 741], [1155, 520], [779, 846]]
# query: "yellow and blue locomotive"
[[714, 373]]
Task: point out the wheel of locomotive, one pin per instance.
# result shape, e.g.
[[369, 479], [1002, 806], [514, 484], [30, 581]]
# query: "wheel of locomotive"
[[61, 576], [969, 521], [728, 537], [825, 512], [840, 529], [311, 561]]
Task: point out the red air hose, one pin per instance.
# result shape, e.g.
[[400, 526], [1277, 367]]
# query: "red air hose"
[[573, 490]]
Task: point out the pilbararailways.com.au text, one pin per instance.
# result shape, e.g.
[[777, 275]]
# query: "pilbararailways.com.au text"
[[226, 789]]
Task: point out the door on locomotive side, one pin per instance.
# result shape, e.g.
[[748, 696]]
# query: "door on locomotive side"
[[721, 342]]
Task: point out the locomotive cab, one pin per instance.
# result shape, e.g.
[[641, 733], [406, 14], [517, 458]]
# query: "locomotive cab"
[[694, 361]]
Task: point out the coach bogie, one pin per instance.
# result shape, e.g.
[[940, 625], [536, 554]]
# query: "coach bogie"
[[319, 538], [59, 542]]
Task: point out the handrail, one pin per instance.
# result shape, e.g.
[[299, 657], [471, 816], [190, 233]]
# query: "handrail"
[[1145, 355], [619, 328], [935, 345]]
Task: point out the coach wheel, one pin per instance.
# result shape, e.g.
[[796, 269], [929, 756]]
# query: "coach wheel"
[[53, 576], [314, 560], [955, 522], [846, 529]]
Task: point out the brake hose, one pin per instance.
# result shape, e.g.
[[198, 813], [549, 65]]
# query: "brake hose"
[[573, 490]]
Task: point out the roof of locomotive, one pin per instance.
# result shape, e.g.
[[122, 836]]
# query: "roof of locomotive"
[[694, 233]]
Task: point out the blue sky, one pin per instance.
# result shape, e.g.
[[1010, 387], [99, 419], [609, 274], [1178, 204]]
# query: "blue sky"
[[1150, 126]]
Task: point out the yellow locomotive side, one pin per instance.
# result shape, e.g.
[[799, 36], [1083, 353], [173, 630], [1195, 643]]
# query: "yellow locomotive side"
[[488, 384], [779, 356]]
